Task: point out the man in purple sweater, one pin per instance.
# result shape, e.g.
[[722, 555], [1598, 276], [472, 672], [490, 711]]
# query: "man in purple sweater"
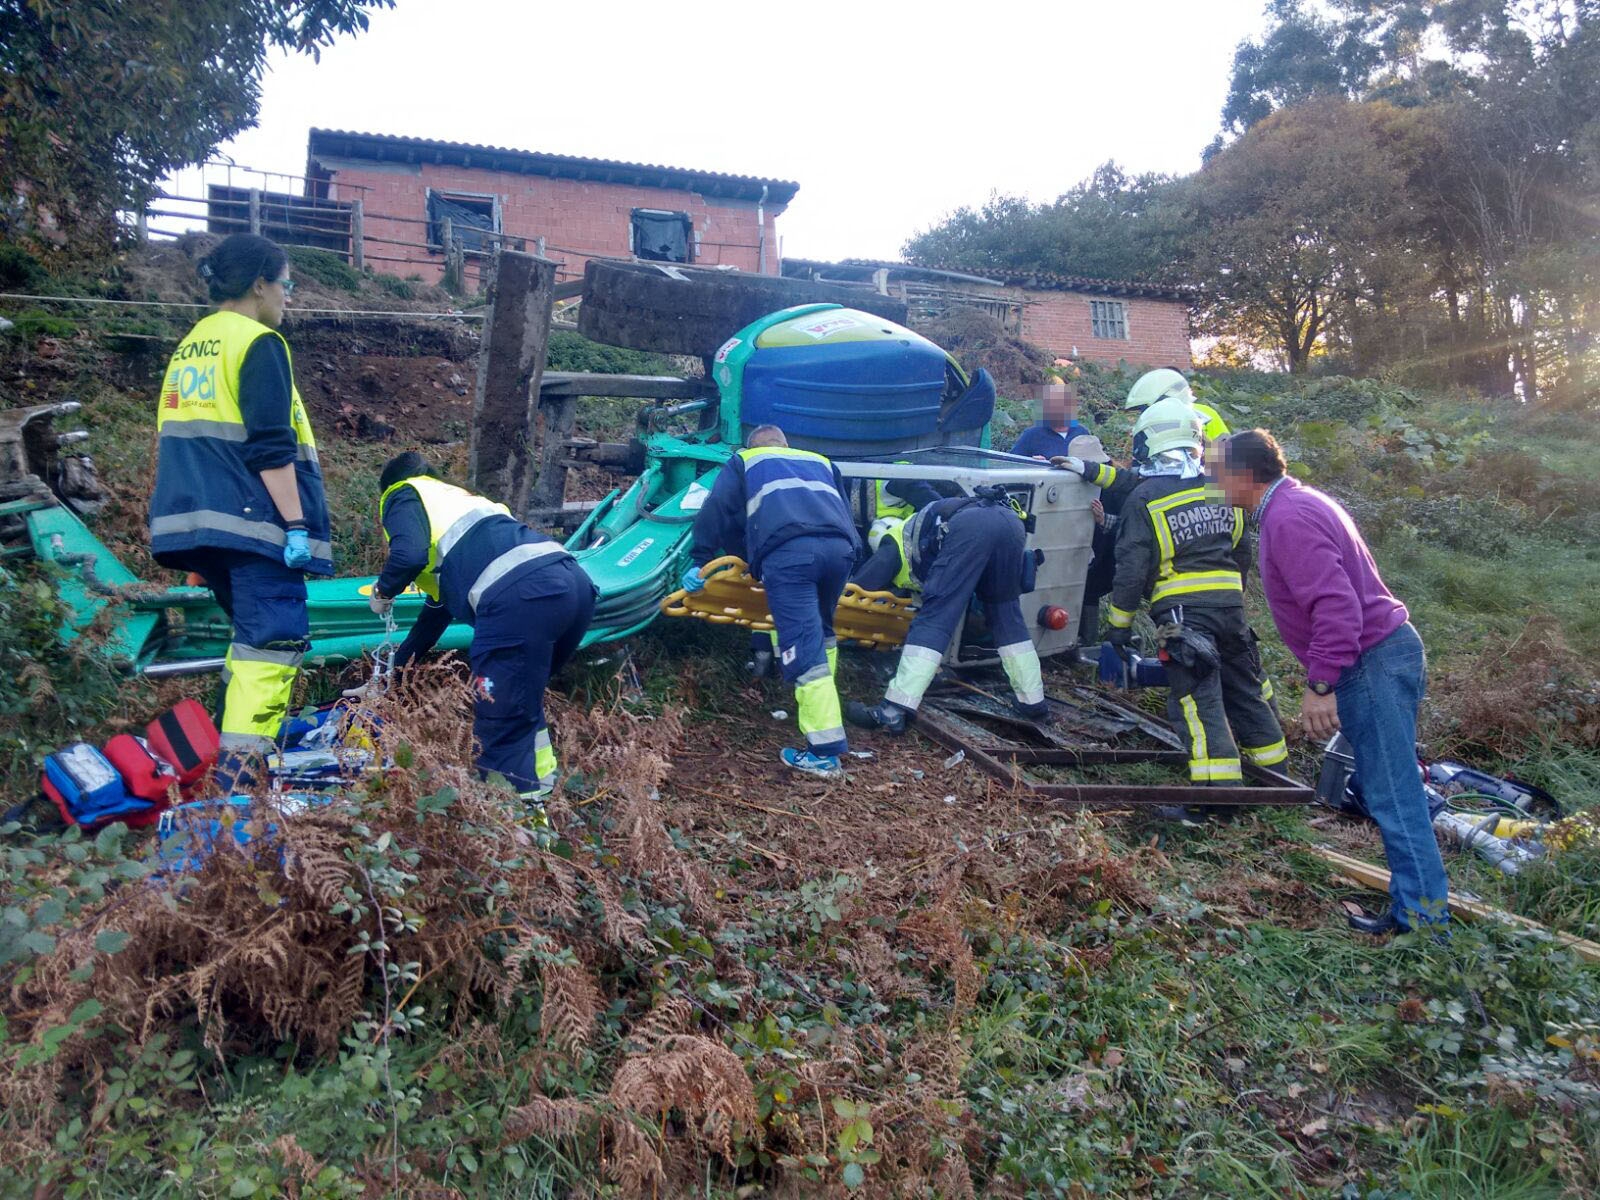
[[1365, 668]]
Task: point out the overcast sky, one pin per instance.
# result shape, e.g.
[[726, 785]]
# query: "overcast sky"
[[888, 115]]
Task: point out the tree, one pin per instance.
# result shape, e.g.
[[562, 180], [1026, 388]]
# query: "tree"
[[1302, 220], [1110, 226], [100, 98]]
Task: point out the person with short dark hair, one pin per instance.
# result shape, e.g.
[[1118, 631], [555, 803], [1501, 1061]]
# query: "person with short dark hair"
[[238, 496], [528, 601], [1365, 665]]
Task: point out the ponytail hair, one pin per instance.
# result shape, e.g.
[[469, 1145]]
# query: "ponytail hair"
[[404, 466], [232, 268]]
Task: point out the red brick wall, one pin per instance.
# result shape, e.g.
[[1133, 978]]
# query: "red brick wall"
[[1158, 330], [577, 219]]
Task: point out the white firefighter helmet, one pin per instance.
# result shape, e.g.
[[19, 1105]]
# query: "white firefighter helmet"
[[1158, 385], [1169, 424]]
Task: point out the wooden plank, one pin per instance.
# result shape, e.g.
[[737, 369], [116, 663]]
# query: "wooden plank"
[[358, 235], [552, 430], [642, 387], [1378, 878], [677, 309], [510, 364]]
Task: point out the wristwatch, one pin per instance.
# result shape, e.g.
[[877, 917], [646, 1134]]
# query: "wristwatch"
[[1320, 686]]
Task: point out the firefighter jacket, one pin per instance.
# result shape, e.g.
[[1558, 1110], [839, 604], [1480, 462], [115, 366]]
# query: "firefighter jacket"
[[767, 495], [463, 546], [1176, 546], [208, 495]]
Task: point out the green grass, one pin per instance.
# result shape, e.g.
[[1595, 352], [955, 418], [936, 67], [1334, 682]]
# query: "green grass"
[[1227, 1038]]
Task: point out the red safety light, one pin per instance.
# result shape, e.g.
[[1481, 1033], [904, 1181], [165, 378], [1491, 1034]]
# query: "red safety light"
[[1053, 616]]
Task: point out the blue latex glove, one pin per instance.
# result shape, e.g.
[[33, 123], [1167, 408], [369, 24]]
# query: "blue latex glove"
[[297, 549], [691, 581]]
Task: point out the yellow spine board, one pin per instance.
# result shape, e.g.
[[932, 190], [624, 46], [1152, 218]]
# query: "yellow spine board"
[[732, 597]]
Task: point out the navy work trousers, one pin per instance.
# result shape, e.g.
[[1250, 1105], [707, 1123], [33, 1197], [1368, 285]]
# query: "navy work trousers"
[[982, 555], [266, 601], [526, 629], [804, 578]]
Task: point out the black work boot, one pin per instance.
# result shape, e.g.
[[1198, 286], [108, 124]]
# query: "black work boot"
[[1037, 713], [890, 718], [1375, 924]]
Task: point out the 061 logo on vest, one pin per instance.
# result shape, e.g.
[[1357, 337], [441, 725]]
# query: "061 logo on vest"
[[483, 688]]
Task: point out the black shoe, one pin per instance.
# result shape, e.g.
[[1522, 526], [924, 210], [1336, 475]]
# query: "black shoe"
[[1037, 713], [890, 718], [1186, 814], [1376, 926]]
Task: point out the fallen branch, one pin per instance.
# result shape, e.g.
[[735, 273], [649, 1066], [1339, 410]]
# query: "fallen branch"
[[1378, 879]]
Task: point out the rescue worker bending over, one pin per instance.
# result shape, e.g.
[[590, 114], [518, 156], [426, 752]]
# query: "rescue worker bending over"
[[951, 550], [787, 508], [528, 601], [1190, 556], [891, 499]]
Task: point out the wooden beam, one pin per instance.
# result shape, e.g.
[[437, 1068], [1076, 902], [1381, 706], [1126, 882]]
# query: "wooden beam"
[[1378, 879], [510, 365], [693, 310], [642, 387]]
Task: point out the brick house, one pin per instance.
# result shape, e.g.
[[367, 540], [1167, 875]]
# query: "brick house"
[[572, 209], [1102, 320]]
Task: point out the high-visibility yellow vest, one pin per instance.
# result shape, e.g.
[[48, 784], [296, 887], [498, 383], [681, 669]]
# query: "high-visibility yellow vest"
[[205, 496], [903, 579], [1211, 422], [452, 512]]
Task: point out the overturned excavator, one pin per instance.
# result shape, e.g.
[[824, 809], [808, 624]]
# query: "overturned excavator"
[[881, 400]]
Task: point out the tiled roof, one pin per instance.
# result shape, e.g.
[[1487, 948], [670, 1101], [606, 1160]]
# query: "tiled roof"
[[383, 147], [1032, 280]]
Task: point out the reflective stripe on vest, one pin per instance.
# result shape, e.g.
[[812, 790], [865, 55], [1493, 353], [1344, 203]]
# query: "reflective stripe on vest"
[[1170, 583], [451, 513], [760, 454], [508, 562], [888, 506]]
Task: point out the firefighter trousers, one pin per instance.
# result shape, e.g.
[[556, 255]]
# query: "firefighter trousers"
[[1227, 712]]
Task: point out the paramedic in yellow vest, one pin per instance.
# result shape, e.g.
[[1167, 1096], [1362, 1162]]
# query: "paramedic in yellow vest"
[[238, 495], [528, 601]]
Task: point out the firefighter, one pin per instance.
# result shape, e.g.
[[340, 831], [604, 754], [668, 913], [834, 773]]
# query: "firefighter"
[[238, 494], [1190, 556], [1169, 382], [787, 508], [528, 601], [950, 551]]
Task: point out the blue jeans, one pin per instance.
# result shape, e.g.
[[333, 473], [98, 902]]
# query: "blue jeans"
[[1378, 700]]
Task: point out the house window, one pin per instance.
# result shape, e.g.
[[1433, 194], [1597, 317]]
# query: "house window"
[[662, 236], [473, 217], [1109, 319]]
